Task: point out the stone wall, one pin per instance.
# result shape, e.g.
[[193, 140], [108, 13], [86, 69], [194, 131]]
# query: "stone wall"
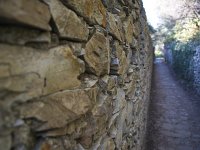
[[74, 74]]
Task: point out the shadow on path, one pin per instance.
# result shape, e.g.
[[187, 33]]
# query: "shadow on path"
[[174, 115]]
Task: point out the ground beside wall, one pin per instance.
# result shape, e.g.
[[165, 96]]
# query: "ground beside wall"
[[74, 75]]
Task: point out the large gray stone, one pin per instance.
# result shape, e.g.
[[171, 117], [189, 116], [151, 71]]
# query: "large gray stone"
[[25, 12], [97, 54], [120, 128], [74, 128], [119, 65], [136, 29], [92, 10], [5, 142], [107, 144], [30, 72], [57, 110], [69, 25], [114, 28], [22, 137], [53, 144], [21, 35], [128, 28]]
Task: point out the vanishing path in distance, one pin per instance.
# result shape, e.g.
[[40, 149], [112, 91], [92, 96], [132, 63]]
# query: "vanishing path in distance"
[[174, 115]]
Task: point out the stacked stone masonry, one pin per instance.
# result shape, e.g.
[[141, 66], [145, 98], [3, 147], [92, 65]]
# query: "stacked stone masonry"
[[74, 74]]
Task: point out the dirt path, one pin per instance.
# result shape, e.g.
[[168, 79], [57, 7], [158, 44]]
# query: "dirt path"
[[174, 118]]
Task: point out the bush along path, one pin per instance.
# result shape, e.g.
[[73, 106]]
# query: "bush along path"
[[174, 122]]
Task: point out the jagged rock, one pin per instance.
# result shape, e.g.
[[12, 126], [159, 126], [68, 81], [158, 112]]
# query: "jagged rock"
[[119, 103], [130, 88], [102, 111], [85, 85], [30, 13], [22, 36], [86, 141], [22, 138], [114, 29], [129, 114], [120, 128], [4, 70], [137, 6], [6, 120], [113, 6], [119, 64], [72, 145], [97, 54], [92, 10], [31, 72], [74, 128], [5, 142], [54, 144], [59, 109], [88, 80], [125, 145], [136, 29], [128, 28], [103, 83], [97, 143], [107, 83], [113, 129], [97, 121], [107, 144], [112, 82], [77, 48], [114, 66], [69, 25], [134, 14], [123, 64]]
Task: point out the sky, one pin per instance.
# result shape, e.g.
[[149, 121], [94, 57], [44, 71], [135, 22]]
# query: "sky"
[[152, 11]]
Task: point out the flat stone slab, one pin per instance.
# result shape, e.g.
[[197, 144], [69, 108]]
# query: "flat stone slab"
[[31, 13], [69, 25], [31, 73]]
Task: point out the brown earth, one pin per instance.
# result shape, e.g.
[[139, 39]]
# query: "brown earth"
[[174, 115]]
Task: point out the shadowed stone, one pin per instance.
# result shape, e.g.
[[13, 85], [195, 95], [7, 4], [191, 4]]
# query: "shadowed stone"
[[107, 144], [119, 64], [21, 36], [69, 25], [61, 108], [114, 29], [31, 72], [25, 12], [97, 54], [128, 28], [92, 10], [5, 142], [120, 104]]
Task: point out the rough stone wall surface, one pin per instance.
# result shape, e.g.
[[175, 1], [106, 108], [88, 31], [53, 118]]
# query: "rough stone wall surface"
[[74, 75]]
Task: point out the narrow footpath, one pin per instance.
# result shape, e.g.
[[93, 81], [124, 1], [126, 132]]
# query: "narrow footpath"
[[174, 115]]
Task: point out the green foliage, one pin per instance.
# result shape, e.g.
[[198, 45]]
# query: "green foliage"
[[159, 53], [181, 43], [180, 37], [180, 33], [182, 54]]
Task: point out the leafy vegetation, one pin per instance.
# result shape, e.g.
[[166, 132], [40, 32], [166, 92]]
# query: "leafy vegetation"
[[178, 36]]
